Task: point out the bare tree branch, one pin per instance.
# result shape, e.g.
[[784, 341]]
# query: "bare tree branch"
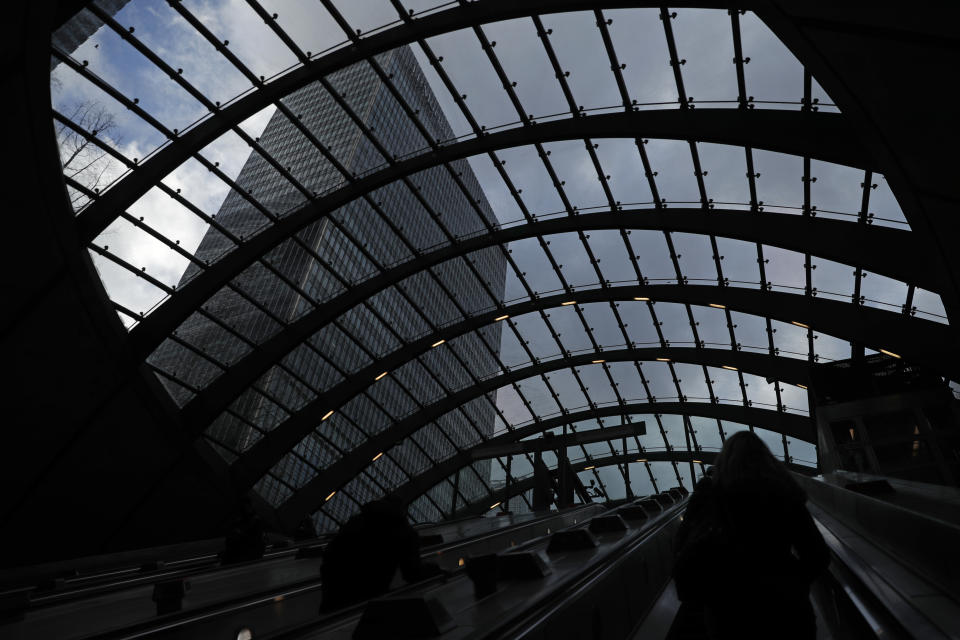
[[82, 159]]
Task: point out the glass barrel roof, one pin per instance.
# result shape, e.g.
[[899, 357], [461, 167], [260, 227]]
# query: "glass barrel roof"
[[500, 221]]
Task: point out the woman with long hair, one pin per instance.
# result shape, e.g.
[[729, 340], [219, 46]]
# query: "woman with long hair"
[[748, 549]]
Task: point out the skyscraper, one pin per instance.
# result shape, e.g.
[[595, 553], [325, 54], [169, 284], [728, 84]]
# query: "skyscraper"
[[354, 242], [80, 27]]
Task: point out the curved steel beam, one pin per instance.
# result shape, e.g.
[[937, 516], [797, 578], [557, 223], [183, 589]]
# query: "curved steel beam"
[[791, 425], [516, 488], [855, 244], [914, 339], [305, 499], [818, 135], [98, 216]]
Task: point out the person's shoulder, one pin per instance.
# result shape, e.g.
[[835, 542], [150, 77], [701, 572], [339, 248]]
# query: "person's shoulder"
[[704, 491], [704, 486]]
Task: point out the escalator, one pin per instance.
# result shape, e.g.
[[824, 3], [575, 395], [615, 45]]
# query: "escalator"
[[878, 584], [173, 597], [587, 572], [591, 579]]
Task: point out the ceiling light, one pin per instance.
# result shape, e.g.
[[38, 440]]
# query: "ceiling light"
[[588, 468], [717, 306], [663, 359], [800, 324], [698, 462], [495, 506], [501, 318], [437, 343], [890, 353], [598, 361], [382, 375], [377, 457], [641, 459], [568, 303], [326, 415], [642, 299], [332, 493], [802, 386], [729, 368]]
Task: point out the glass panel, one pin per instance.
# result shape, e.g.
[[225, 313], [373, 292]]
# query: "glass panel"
[[705, 41]]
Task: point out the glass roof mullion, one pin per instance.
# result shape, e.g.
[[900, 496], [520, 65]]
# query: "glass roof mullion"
[[694, 450], [808, 211], [863, 218], [615, 65], [908, 308], [140, 273], [675, 61], [82, 189]]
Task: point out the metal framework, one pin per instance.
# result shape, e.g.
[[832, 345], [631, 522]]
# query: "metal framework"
[[526, 484], [801, 130], [793, 425]]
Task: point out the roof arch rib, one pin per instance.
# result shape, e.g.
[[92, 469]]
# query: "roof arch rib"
[[98, 216], [913, 338], [304, 500], [793, 426], [525, 484], [822, 136]]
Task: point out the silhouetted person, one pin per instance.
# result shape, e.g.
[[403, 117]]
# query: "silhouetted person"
[[748, 549], [362, 559], [245, 537]]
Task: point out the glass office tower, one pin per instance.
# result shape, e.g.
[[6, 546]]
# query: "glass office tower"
[[352, 244]]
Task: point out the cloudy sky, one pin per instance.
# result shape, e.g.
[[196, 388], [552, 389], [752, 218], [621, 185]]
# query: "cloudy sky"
[[704, 40]]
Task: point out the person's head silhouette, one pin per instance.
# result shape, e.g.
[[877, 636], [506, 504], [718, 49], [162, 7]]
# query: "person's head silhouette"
[[746, 464]]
